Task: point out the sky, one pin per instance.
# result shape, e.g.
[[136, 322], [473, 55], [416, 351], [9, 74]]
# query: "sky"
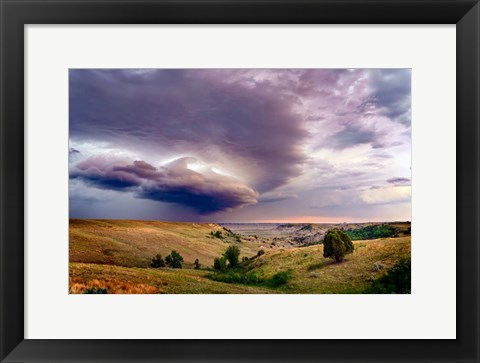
[[240, 145]]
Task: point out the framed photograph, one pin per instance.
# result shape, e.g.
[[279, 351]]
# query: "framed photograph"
[[239, 181]]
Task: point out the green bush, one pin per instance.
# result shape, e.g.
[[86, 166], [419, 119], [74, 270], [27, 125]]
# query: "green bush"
[[217, 234], [174, 260], [220, 264], [397, 280], [197, 264], [279, 279], [337, 244], [250, 278], [95, 290], [231, 277], [231, 255], [157, 262]]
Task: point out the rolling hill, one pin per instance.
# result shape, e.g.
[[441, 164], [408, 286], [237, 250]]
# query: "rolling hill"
[[133, 243], [115, 255]]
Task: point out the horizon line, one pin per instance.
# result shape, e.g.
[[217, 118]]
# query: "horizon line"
[[250, 222]]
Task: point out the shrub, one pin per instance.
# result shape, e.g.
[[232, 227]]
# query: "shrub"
[[337, 244], [250, 278], [231, 277], [231, 255], [397, 280], [174, 260], [244, 259], [216, 234], [229, 231], [157, 262], [197, 264], [219, 263], [95, 290], [279, 279], [261, 252]]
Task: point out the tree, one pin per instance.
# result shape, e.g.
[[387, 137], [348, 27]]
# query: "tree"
[[260, 252], [219, 263], [157, 262], [197, 264], [174, 260], [337, 244], [231, 255]]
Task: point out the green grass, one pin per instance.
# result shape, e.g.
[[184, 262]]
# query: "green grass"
[[312, 273]]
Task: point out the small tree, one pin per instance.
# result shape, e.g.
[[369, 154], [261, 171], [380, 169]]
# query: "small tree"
[[260, 252], [197, 264], [174, 260], [219, 263], [231, 255], [157, 262], [337, 244]]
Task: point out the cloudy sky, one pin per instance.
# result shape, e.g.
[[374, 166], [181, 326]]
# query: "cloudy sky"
[[241, 145]]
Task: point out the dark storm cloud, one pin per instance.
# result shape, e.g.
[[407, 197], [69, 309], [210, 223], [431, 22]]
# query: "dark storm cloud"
[[102, 172], [399, 181], [237, 137], [204, 191], [190, 112], [392, 92]]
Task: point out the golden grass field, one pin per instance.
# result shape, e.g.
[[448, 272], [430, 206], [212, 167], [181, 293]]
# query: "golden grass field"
[[115, 255], [133, 243]]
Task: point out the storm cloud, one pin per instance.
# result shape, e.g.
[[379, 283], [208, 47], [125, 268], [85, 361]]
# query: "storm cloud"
[[205, 190], [242, 141], [191, 113]]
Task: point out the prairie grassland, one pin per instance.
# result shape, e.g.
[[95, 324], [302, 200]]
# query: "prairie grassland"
[[133, 243], [148, 280], [310, 272], [313, 273]]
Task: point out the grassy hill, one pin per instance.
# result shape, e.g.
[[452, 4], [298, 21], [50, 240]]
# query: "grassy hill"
[[133, 243], [313, 273], [115, 255]]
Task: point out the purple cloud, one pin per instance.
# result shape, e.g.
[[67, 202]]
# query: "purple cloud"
[[399, 181], [190, 112], [262, 137], [204, 191]]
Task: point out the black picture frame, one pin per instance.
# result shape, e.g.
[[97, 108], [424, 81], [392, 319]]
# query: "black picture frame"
[[15, 14]]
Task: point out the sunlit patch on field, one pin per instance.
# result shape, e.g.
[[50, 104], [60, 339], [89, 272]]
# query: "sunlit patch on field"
[[111, 287]]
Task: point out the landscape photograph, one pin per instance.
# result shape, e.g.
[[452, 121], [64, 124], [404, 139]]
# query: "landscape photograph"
[[239, 181]]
